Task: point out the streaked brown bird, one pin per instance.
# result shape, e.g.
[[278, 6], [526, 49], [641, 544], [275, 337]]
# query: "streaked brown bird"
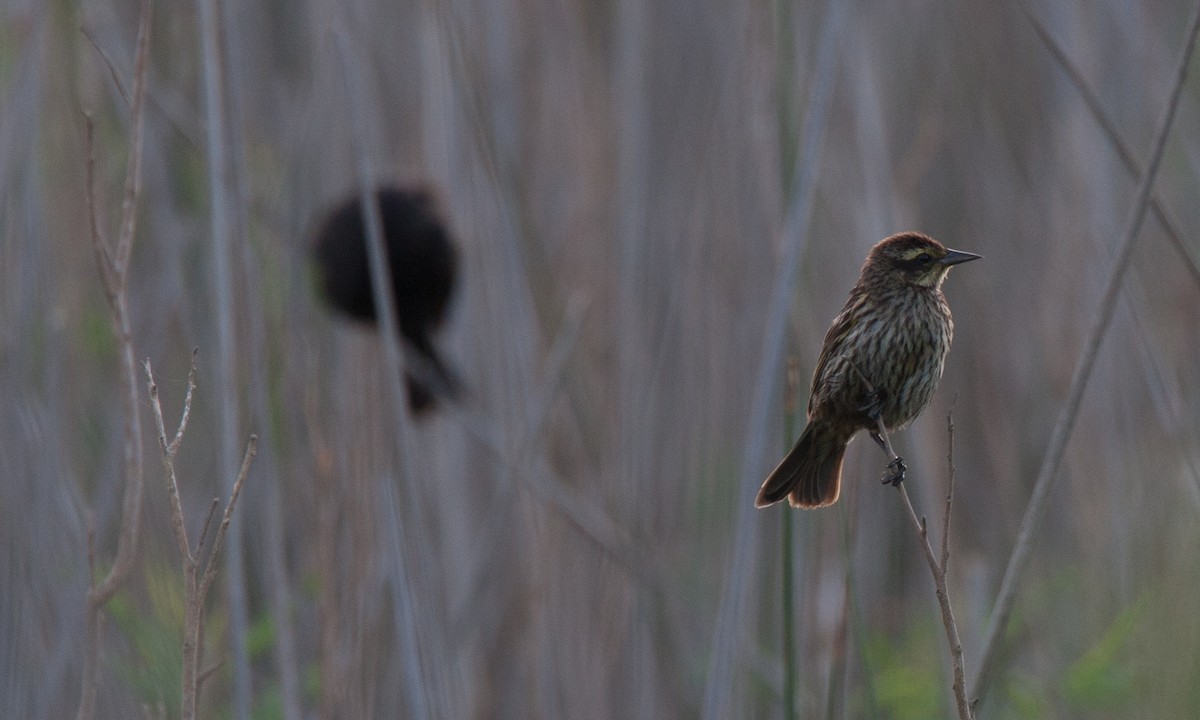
[[880, 362]]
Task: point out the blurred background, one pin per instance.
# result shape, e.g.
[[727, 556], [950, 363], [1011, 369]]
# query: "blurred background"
[[630, 185]]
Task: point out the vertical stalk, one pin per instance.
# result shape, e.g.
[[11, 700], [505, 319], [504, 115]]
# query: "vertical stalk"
[[726, 649], [221, 203]]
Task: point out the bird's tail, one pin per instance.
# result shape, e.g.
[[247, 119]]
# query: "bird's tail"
[[429, 379], [811, 474]]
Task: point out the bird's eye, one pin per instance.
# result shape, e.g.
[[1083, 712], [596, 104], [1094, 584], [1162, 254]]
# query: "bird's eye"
[[924, 258]]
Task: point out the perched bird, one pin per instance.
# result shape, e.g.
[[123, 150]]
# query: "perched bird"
[[423, 264], [880, 363]]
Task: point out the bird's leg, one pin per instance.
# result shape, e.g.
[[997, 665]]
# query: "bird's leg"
[[873, 408], [894, 475]]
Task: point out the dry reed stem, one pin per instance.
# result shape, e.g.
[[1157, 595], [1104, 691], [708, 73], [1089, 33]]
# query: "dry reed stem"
[[1065, 423], [222, 213], [114, 275], [418, 678], [725, 653]]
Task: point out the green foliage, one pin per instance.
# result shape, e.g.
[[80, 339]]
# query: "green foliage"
[[312, 680], [154, 664], [96, 339], [261, 637], [189, 179], [1103, 679], [268, 703], [1025, 701], [908, 682], [153, 628]]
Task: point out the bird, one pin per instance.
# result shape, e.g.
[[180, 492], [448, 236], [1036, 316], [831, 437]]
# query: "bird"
[[880, 363], [423, 264]]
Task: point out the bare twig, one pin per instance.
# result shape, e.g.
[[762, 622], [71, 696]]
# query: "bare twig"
[[938, 571], [1083, 370], [965, 709], [210, 571], [112, 69], [104, 261], [212, 510], [168, 451], [196, 587], [131, 510], [114, 274], [945, 558], [133, 175], [187, 405]]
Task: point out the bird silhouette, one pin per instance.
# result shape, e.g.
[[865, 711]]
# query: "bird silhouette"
[[423, 264]]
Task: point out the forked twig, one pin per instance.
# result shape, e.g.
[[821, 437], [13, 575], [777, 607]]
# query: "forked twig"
[[938, 570], [196, 586]]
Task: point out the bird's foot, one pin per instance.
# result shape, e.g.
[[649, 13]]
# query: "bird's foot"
[[894, 474]]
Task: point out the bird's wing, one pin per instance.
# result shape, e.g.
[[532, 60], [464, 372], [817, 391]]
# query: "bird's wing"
[[834, 346]]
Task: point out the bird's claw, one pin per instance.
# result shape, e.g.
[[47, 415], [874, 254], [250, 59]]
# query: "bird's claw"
[[894, 474]]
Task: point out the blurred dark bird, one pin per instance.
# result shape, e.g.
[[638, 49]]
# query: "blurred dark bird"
[[880, 363], [423, 264]]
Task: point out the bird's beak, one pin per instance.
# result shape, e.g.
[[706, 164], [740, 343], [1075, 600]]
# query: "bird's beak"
[[954, 257]]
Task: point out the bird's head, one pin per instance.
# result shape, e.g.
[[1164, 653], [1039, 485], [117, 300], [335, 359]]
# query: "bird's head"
[[911, 258]]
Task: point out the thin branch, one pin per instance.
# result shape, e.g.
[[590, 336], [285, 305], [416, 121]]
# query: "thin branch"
[[156, 408], [167, 453], [212, 510], [112, 69], [210, 570], [1083, 370], [945, 559], [965, 709], [938, 571], [104, 260], [187, 405], [133, 174], [195, 588], [131, 511], [114, 277]]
